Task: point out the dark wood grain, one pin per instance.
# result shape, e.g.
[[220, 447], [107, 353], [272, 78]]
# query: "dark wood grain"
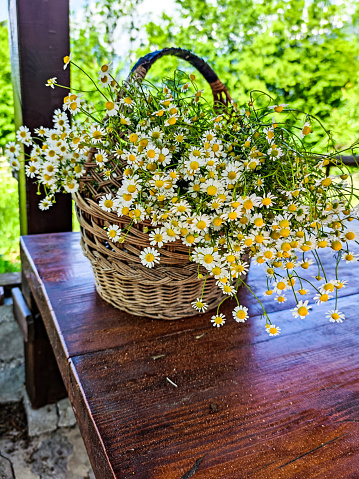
[[249, 405]]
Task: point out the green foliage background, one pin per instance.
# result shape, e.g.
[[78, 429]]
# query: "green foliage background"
[[305, 53]]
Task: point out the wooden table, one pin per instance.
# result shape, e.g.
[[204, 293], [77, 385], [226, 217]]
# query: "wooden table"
[[243, 404]]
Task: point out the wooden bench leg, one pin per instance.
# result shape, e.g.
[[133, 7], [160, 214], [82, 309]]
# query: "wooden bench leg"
[[44, 384]]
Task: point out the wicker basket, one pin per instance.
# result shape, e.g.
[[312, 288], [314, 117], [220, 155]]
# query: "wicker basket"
[[167, 290]]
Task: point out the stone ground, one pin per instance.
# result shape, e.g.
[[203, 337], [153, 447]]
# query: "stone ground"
[[40, 444]]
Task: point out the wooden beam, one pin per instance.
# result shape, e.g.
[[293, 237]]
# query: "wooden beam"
[[39, 39], [349, 160]]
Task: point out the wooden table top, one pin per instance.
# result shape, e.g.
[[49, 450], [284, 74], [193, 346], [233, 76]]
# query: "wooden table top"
[[245, 406]]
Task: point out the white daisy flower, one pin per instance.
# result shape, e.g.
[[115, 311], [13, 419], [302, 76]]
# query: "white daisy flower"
[[67, 60], [114, 232], [281, 298], [101, 157], [327, 287], [51, 82], [31, 169], [45, 204], [321, 298], [112, 108], [278, 108], [227, 288], [190, 239], [15, 164], [340, 283], [172, 120], [12, 149], [71, 186], [127, 101], [201, 223], [267, 200], [301, 310], [305, 130], [349, 257], [164, 157], [180, 208], [218, 320], [335, 316], [272, 329], [212, 187], [106, 202], [97, 133], [207, 257], [280, 286], [138, 214], [40, 131], [23, 135], [240, 314], [199, 305], [104, 77], [158, 237], [149, 257]]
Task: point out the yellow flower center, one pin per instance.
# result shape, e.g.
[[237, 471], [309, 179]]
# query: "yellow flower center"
[[96, 134], [329, 287], [149, 257], [232, 215], [241, 314], [190, 239], [218, 320], [194, 165], [108, 203], [302, 311], [326, 182], [336, 245], [248, 204], [201, 225], [350, 235], [212, 190], [208, 259], [112, 233], [335, 316], [159, 183], [258, 221]]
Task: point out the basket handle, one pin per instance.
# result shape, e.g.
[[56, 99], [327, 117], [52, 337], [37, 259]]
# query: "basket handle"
[[219, 91]]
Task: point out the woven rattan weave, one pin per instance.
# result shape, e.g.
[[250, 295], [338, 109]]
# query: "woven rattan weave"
[[167, 290]]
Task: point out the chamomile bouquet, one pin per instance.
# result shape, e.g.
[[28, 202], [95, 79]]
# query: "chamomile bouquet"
[[224, 181]]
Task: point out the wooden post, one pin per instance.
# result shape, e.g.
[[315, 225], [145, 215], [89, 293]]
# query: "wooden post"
[[39, 39]]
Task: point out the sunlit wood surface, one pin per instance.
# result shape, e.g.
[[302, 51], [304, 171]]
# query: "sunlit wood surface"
[[249, 405]]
